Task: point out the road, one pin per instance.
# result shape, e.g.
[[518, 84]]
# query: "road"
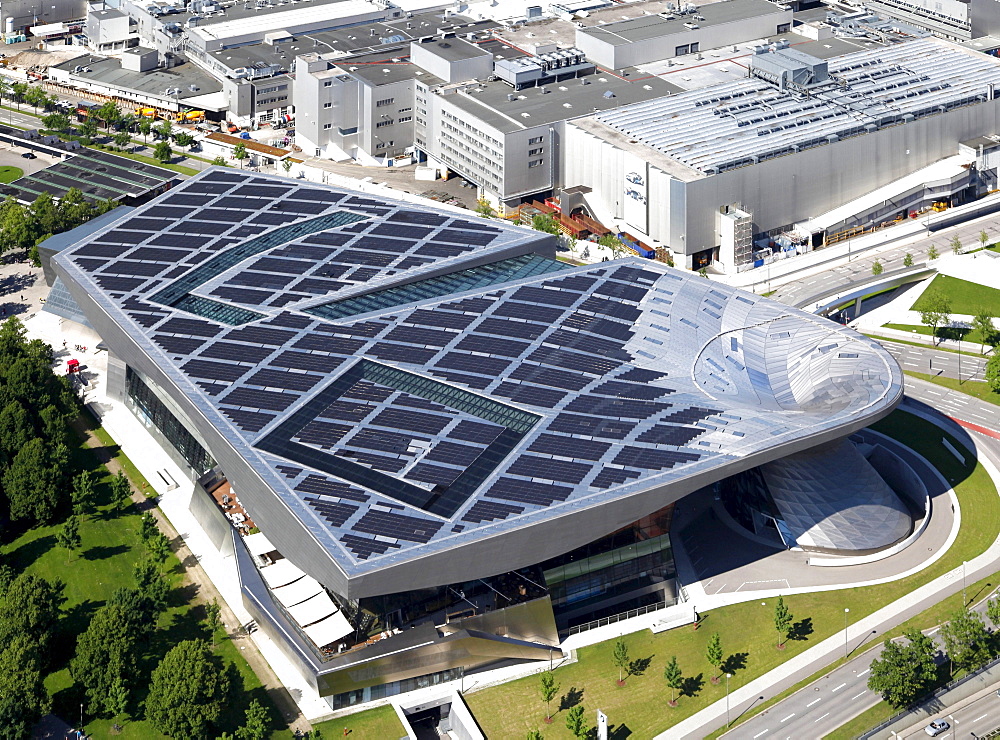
[[935, 362], [828, 703], [971, 721], [842, 278]]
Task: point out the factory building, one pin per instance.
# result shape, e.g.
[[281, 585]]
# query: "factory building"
[[803, 147]]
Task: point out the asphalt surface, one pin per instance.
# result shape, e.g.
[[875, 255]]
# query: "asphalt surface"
[[807, 290], [831, 701], [971, 721], [936, 362]]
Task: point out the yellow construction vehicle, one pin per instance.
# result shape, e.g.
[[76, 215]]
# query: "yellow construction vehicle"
[[146, 112]]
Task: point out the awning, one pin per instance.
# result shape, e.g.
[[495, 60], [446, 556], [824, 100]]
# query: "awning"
[[313, 610], [280, 573], [329, 630], [298, 591], [258, 544], [215, 101]]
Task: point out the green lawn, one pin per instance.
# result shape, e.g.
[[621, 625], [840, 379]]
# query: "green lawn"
[[110, 548], [9, 173], [138, 480], [380, 723], [965, 297], [156, 163], [973, 337], [747, 630], [975, 388]]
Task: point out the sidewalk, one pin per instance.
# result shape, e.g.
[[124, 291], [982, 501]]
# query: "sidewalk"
[[816, 658]]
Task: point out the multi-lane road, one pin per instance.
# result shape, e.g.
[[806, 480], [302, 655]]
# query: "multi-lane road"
[[936, 362]]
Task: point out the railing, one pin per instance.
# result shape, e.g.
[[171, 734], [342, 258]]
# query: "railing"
[[603, 622], [932, 695]]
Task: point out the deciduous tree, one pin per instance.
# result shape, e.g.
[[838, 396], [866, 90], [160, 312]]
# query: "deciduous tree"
[[68, 536], [907, 260], [992, 373], [576, 721], [905, 670], [983, 323], [84, 494], [106, 655], [257, 725], [23, 698], [713, 654], [877, 268], [162, 152], [966, 640], [935, 310], [549, 688], [621, 659], [782, 621], [187, 691], [674, 678]]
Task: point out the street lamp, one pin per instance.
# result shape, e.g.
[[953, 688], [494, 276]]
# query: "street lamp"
[[728, 675], [964, 602], [846, 653]]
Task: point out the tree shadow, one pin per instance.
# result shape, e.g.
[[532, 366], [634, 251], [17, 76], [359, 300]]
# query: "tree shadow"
[[103, 552], [692, 685], [570, 699], [25, 555], [801, 629], [735, 662], [639, 666]]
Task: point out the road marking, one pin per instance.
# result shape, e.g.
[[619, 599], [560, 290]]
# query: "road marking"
[[709, 582], [788, 717], [720, 588], [864, 671], [819, 718], [839, 688], [979, 718], [813, 702], [857, 695], [759, 734]]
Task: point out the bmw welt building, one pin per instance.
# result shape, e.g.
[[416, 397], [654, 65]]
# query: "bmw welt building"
[[446, 446]]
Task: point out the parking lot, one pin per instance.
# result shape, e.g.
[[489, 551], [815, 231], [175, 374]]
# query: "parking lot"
[[11, 156]]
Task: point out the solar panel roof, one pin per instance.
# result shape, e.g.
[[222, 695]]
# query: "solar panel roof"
[[462, 397]]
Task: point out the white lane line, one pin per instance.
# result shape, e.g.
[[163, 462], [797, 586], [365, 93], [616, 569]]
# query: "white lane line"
[[759, 734], [857, 695], [839, 688], [979, 718], [819, 718], [813, 702], [864, 672], [788, 717], [720, 588]]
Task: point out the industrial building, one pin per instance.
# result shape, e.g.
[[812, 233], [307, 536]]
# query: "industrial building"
[[802, 146], [439, 445], [680, 30]]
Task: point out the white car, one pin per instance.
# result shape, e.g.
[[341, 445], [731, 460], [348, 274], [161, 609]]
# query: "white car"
[[936, 727]]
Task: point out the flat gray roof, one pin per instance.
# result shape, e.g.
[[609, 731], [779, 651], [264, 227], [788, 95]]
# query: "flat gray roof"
[[738, 123], [453, 49], [389, 39], [653, 26], [560, 101], [109, 71]]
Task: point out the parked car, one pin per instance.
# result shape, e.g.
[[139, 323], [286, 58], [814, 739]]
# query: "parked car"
[[936, 727], [29, 155]]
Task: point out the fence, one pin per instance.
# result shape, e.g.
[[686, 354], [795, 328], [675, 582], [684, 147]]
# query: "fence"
[[603, 622]]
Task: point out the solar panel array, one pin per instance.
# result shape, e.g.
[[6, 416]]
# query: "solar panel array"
[[417, 418]]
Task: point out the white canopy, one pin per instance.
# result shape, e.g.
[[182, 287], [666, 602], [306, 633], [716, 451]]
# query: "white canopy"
[[298, 591], [329, 630], [258, 544], [313, 610], [281, 573]]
